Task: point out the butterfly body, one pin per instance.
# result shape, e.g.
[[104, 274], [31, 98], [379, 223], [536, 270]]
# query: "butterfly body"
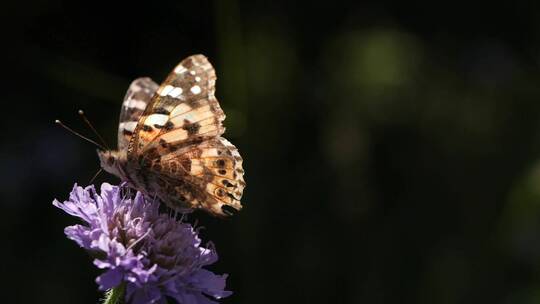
[[169, 142]]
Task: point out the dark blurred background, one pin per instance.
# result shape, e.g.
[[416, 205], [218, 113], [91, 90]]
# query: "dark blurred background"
[[392, 150]]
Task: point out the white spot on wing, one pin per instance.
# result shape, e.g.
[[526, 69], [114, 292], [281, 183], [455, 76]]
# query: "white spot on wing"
[[129, 126], [165, 90], [135, 88], [175, 92], [197, 79], [192, 72], [134, 103], [195, 89], [156, 119], [180, 69]]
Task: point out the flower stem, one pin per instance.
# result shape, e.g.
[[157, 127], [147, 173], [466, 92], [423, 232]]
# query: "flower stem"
[[115, 295]]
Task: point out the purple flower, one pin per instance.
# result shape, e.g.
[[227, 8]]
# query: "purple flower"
[[155, 255]]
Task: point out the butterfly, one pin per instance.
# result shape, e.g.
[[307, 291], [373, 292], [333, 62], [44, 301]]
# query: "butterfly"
[[170, 144]]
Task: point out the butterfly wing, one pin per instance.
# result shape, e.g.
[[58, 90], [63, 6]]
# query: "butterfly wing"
[[183, 109], [178, 147], [137, 97], [206, 174]]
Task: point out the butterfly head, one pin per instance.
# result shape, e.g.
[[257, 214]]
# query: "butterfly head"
[[112, 161]]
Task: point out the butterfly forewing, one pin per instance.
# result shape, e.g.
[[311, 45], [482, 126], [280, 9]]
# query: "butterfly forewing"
[[177, 145], [184, 107], [137, 97]]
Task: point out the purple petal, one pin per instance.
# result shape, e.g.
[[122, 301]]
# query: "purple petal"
[[146, 294], [109, 279], [210, 283], [102, 264], [80, 235]]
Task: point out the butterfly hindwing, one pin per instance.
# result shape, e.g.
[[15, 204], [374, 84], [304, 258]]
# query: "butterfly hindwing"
[[205, 174], [137, 97]]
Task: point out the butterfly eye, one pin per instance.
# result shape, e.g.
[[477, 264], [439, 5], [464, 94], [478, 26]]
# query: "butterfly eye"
[[110, 160]]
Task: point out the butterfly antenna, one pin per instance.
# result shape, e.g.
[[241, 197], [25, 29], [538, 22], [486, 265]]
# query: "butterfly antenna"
[[58, 122], [95, 175], [81, 112]]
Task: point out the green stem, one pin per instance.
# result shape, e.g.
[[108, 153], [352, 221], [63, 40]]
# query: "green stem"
[[115, 295]]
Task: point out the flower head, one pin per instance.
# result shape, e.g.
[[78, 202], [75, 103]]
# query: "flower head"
[[155, 255]]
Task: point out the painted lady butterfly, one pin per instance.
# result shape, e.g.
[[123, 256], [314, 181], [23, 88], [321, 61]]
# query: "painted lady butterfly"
[[169, 142]]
